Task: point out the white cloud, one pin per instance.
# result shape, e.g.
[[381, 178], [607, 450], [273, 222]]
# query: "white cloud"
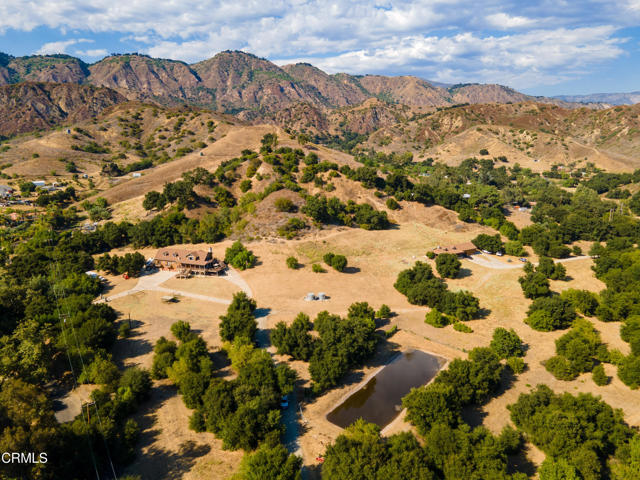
[[504, 21], [59, 47], [521, 60], [93, 53]]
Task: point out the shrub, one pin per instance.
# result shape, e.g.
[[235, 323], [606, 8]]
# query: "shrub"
[[328, 258], [317, 268], [181, 330], [550, 313], [270, 462], [285, 205], [291, 229], [534, 285], [599, 376], [490, 243], [461, 327], [584, 301], [384, 312], [448, 265], [561, 368], [629, 371], [551, 270], [515, 249], [339, 263], [245, 185], [436, 319], [239, 257], [516, 364], [392, 204], [239, 320], [292, 263], [506, 343], [431, 255]]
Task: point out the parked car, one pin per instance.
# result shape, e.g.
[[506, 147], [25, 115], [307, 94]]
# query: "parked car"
[[487, 252], [523, 260], [499, 254]]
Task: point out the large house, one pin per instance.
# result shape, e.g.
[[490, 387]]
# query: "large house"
[[461, 249], [194, 261]]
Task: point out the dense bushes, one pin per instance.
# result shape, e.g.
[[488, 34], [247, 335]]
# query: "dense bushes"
[[130, 263], [360, 453], [490, 243], [506, 343], [342, 343], [577, 351], [270, 461], [550, 313], [448, 265], [239, 320], [582, 430], [239, 257], [242, 412], [464, 382], [422, 288], [333, 211], [294, 340], [337, 262]]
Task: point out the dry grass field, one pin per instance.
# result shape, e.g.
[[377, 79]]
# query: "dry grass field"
[[375, 258]]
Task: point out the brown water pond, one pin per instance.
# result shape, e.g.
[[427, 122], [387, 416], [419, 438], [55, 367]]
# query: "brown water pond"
[[379, 401]]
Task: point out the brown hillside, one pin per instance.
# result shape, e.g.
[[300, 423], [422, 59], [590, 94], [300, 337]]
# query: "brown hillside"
[[30, 106], [141, 77], [337, 90]]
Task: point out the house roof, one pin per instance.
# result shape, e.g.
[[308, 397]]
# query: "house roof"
[[456, 249], [185, 257]]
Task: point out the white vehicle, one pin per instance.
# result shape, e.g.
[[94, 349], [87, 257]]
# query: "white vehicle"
[[487, 252], [499, 254]]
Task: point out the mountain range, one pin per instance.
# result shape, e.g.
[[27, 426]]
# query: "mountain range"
[[245, 85], [629, 98]]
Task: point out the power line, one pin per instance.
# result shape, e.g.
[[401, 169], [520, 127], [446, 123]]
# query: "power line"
[[73, 331]]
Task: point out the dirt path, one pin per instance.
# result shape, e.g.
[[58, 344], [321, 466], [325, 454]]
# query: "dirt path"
[[490, 261], [153, 281]]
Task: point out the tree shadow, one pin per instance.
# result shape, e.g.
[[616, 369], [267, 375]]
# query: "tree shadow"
[[351, 270], [464, 273], [473, 415], [482, 313], [261, 312], [507, 379], [130, 347], [520, 463], [157, 462]]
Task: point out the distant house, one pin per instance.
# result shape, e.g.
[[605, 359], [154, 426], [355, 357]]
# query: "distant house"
[[196, 261], [136, 174], [6, 191], [461, 249], [39, 183]]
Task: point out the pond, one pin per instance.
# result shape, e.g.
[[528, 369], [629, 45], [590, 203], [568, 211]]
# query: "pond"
[[379, 401]]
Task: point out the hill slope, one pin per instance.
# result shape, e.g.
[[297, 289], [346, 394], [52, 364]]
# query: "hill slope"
[[31, 106], [241, 83]]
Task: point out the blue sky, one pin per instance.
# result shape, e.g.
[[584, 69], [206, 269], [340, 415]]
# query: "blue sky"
[[539, 47]]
